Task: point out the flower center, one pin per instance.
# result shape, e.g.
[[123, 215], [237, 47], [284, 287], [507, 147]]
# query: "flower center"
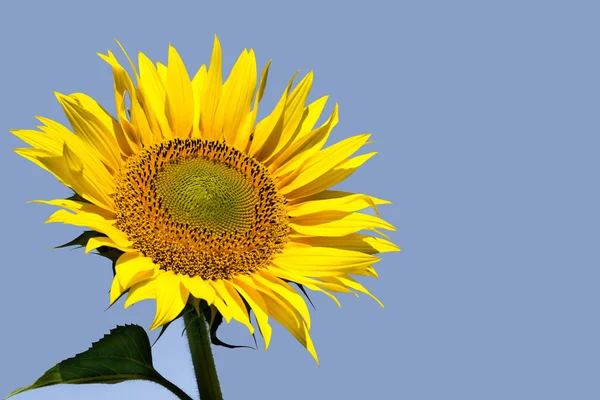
[[207, 194], [200, 208]]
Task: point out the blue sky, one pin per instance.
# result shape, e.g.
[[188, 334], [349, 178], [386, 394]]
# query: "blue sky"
[[485, 117]]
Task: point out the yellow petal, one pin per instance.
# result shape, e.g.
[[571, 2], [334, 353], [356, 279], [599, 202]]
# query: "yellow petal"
[[77, 206], [180, 96], [305, 147], [310, 283], [143, 118], [236, 97], [131, 64], [109, 123], [199, 288], [39, 140], [241, 140], [243, 317], [298, 277], [335, 200], [203, 289], [308, 119], [116, 290], [331, 177], [153, 91], [268, 131], [321, 261], [88, 155], [246, 131], [170, 295], [211, 92], [351, 283], [197, 87], [87, 126], [263, 83], [144, 128], [356, 242], [75, 163], [331, 296], [234, 302], [92, 221], [324, 161], [336, 223], [70, 169], [162, 72], [35, 155], [285, 313], [284, 290], [294, 111], [243, 285], [123, 86], [133, 267], [94, 243]]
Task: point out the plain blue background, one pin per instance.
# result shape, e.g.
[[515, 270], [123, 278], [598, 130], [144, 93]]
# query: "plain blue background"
[[485, 116]]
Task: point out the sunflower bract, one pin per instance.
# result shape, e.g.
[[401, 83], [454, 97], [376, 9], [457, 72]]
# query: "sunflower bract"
[[206, 202]]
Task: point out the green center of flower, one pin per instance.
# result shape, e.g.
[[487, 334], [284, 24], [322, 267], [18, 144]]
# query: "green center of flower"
[[200, 208], [207, 195]]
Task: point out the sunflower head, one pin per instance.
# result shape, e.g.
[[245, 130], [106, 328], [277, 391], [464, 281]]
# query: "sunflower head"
[[198, 203]]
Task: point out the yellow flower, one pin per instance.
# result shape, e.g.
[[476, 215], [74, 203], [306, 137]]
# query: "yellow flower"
[[204, 203]]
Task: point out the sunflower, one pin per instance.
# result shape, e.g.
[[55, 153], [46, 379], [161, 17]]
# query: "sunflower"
[[203, 203]]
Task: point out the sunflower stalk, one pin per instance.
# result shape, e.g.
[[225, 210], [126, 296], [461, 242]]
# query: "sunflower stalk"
[[202, 357]]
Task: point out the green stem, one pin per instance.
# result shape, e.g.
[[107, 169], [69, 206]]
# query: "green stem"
[[202, 358]]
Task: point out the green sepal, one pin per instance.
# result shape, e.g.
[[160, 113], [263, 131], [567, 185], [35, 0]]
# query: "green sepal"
[[76, 197], [123, 354], [107, 252], [111, 253], [162, 330], [215, 320], [104, 251], [301, 287], [82, 239], [186, 309], [210, 314]]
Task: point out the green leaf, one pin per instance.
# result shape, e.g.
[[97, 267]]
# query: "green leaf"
[[124, 354]]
